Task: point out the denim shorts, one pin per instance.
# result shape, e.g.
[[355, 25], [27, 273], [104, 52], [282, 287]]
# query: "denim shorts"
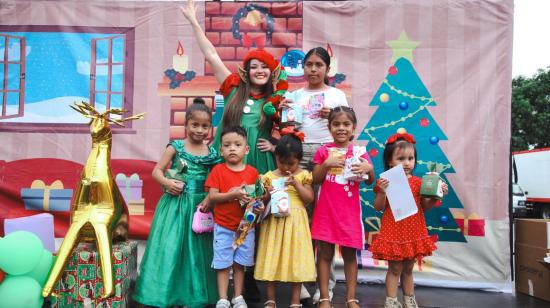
[[225, 255]]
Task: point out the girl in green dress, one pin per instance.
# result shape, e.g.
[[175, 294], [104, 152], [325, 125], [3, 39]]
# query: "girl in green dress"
[[175, 270], [251, 97]]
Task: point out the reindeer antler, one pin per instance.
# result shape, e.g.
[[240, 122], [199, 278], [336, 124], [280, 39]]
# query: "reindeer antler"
[[85, 109], [120, 121]]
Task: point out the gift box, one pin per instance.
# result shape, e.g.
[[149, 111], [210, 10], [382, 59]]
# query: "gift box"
[[280, 204], [130, 187], [432, 185], [293, 114], [136, 207], [42, 197], [81, 279], [338, 153], [40, 224], [350, 161], [315, 104], [473, 225], [280, 200]]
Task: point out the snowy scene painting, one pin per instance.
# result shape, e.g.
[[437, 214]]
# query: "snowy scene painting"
[[42, 73]]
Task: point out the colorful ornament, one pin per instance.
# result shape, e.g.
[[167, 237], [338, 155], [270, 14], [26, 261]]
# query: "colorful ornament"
[[392, 70], [438, 203], [403, 105], [246, 109], [401, 130], [424, 122], [384, 97], [434, 140], [444, 219], [250, 102], [373, 152]]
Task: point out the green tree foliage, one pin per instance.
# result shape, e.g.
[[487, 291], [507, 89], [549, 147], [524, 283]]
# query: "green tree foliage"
[[531, 111]]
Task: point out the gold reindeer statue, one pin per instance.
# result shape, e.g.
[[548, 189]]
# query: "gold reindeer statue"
[[99, 213]]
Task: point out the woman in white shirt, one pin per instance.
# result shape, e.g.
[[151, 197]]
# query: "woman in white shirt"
[[316, 100]]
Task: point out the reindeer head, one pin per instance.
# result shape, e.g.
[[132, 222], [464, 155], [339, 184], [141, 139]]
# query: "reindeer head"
[[99, 122]]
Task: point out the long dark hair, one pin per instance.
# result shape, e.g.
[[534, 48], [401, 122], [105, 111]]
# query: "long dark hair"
[[234, 110], [323, 54]]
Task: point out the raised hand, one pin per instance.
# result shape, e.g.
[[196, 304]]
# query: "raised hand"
[[189, 10]]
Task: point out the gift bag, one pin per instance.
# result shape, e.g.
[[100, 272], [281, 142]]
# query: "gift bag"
[[202, 222]]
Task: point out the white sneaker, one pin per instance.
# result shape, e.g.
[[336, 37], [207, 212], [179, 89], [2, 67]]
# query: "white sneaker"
[[410, 301], [392, 302], [238, 302], [317, 296], [223, 303]]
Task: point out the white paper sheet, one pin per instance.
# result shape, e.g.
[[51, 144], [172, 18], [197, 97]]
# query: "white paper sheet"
[[399, 193]]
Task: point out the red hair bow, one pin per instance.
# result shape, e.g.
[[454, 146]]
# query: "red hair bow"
[[401, 136], [290, 130]]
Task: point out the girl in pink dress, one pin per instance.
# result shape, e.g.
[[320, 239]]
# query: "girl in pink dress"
[[337, 216], [402, 242]]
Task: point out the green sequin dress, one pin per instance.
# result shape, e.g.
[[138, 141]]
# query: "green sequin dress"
[[176, 267]]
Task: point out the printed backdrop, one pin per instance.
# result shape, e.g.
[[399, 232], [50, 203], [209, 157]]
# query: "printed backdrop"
[[438, 70]]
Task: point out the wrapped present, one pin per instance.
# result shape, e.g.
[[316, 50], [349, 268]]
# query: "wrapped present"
[[473, 225], [315, 105], [432, 184], [338, 153], [81, 279], [280, 200], [177, 171], [253, 191], [350, 175], [130, 187], [136, 207], [42, 197], [293, 114], [373, 229], [40, 224]]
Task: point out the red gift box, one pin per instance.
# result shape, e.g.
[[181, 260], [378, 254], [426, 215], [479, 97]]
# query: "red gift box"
[[473, 225]]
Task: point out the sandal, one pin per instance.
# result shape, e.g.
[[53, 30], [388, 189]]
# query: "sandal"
[[324, 300], [270, 304], [352, 301]]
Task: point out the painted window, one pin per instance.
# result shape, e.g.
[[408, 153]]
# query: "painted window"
[[44, 69]]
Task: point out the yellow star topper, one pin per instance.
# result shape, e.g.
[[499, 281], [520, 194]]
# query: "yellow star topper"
[[253, 18], [402, 47]]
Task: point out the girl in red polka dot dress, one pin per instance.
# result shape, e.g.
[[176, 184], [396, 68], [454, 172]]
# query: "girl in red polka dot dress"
[[402, 242]]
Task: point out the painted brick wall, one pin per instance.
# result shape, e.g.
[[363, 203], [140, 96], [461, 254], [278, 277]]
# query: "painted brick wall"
[[287, 33]]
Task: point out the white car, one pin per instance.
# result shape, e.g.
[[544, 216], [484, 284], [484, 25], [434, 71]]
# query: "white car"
[[518, 201]]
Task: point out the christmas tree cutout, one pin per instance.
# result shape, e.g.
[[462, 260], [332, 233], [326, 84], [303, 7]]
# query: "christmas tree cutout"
[[402, 102]]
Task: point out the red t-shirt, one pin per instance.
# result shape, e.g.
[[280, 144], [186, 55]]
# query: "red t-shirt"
[[229, 214]]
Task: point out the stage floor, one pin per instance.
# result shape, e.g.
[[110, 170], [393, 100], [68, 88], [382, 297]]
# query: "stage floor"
[[372, 295]]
